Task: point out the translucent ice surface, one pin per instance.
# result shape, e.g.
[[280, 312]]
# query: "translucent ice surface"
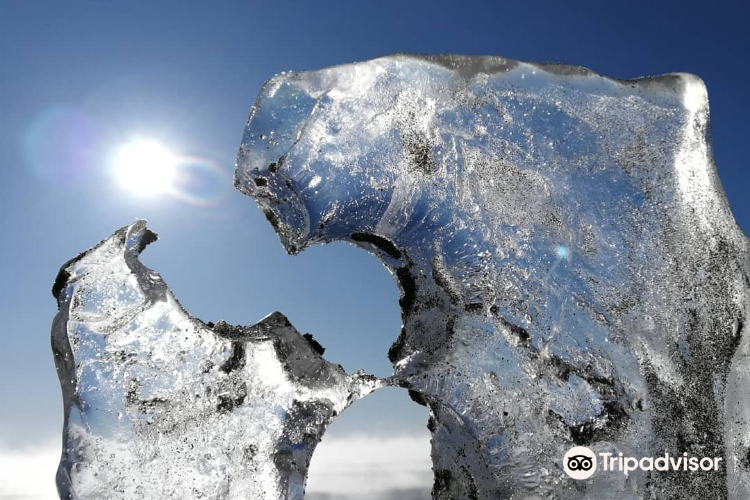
[[161, 405], [570, 271]]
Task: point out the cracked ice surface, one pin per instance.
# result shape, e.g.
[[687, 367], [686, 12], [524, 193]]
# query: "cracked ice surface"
[[162, 405], [570, 271]]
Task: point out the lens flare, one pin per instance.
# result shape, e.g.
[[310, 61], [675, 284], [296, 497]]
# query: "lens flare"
[[147, 168], [61, 145], [200, 181]]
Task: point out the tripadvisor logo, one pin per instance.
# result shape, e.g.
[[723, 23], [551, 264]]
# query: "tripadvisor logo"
[[581, 463]]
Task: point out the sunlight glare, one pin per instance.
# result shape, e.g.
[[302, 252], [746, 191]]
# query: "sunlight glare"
[[145, 167]]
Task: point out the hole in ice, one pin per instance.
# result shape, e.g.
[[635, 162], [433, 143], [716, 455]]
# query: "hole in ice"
[[340, 294], [378, 449]]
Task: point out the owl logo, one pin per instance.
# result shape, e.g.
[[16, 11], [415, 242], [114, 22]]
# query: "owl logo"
[[579, 463]]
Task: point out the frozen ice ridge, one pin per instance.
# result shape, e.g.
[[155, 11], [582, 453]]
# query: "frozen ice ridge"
[[570, 271], [162, 405]]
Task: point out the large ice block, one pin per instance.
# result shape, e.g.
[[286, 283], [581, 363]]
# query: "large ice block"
[[570, 271], [161, 405]]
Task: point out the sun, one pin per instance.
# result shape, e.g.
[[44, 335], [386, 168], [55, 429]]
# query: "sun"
[[145, 167]]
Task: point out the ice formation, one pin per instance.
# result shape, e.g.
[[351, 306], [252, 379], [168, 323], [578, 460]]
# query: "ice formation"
[[570, 274], [162, 405], [570, 271]]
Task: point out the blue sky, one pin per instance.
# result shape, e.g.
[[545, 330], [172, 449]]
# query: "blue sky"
[[81, 78]]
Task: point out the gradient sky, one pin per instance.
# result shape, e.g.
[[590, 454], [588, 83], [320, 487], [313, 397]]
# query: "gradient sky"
[[80, 78]]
